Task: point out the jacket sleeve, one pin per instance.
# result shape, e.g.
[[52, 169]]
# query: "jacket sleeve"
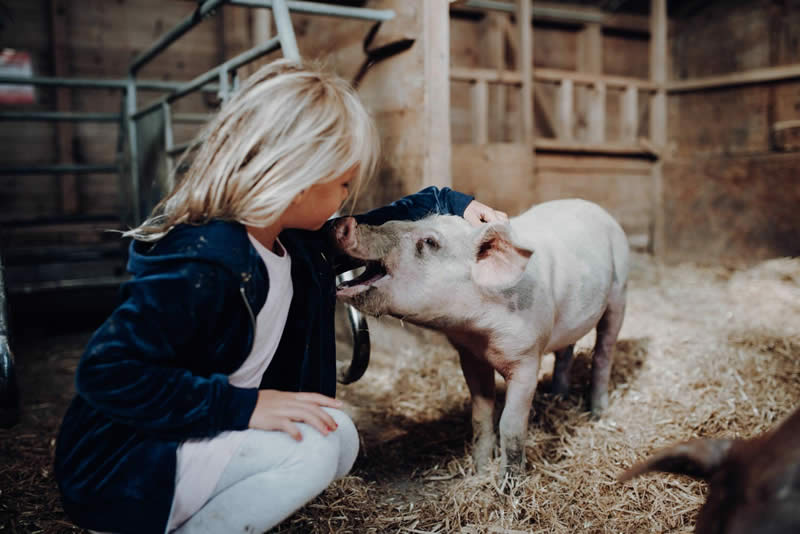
[[430, 200], [132, 368]]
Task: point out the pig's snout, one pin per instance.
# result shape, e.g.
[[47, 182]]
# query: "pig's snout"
[[344, 232]]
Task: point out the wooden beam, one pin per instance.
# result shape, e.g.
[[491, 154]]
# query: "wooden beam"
[[629, 114], [596, 114], [480, 112], [510, 77], [492, 41], [525, 67], [768, 74], [557, 145], [438, 148], [566, 118], [65, 132], [590, 61], [658, 116]]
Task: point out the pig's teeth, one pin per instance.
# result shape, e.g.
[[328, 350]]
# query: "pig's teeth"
[[351, 291]]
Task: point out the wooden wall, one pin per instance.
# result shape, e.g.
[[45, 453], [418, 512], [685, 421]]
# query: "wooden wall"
[[731, 186], [507, 175]]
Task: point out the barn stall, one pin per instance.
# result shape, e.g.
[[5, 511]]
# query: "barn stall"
[[680, 118]]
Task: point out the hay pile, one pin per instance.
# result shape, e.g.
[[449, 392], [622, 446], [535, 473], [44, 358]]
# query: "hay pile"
[[703, 352]]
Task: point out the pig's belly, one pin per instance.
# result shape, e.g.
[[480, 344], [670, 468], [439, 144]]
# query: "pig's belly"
[[576, 316], [567, 334]]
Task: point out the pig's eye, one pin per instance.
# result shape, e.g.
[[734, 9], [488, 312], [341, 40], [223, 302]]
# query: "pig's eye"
[[428, 242]]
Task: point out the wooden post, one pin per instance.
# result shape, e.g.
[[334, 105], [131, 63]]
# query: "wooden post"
[[525, 67], [658, 115], [565, 107], [590, 60], [65, 132], [438, 149], [596, 113], [492, 54], [629, 115], [480, 112]]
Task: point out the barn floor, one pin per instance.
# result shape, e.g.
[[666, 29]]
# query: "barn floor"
[[703, 352]]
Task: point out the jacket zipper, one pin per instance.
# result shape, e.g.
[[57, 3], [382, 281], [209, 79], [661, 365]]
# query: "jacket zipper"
[[249, 310]]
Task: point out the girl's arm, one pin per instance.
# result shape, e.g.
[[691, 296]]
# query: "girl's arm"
[[430, 200], [134, 369]]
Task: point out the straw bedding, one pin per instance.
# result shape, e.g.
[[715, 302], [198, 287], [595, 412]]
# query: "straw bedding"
[[704, 351]]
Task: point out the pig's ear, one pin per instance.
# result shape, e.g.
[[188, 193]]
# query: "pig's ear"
[[698, 458], [498, 262]]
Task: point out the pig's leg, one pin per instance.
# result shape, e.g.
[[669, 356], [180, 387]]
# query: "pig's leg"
[[607, 332], [480, 380], [561, 371], [521, 386]]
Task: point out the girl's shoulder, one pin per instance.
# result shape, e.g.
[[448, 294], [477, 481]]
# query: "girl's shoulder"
[[218, 242]]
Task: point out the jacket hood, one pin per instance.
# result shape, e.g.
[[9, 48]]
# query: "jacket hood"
[[188, 242]]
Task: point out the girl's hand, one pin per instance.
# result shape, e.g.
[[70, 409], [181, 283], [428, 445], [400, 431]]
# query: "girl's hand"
[[278, 410], [477, 214]]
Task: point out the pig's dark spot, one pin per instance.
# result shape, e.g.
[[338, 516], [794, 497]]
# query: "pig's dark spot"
[[520, 296]]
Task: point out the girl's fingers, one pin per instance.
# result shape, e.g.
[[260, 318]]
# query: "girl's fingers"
[[286, 425], [314, 416], [318, 398]]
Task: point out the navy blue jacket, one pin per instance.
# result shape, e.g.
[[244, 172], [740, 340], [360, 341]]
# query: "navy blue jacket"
[[156, 372]]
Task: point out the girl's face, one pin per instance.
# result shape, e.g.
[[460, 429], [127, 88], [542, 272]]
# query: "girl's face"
[[311, 208]]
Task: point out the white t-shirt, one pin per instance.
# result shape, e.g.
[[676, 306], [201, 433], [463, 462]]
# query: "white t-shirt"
[[202, 461]]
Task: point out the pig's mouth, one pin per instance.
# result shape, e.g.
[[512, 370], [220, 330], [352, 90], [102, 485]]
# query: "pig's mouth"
[[374, 272]]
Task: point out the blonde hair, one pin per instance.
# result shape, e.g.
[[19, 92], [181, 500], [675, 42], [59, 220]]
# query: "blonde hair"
[[290, 126]]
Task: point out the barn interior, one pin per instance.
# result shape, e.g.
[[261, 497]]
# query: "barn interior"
[[680, 117]]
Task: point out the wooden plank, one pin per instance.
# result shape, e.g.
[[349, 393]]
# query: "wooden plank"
[[754, 76], [509, 77], [658, 114], [492, 31], [589, 60], [480, 112], [59, 50], [525, 67], [565, 111], [629, 115], [596, 114], [598, 148], [438, 148]]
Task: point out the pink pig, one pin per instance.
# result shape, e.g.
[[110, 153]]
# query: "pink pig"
[[504, 295]]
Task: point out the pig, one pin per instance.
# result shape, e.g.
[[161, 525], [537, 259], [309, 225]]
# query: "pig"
[[754, 484], [504, 294]]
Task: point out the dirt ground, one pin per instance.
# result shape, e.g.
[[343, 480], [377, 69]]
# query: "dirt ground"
[[703, 352]]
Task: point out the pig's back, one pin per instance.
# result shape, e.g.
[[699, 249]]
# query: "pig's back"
[[581, 254]]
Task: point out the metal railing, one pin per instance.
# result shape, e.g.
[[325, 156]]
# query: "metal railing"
[[147, 132]]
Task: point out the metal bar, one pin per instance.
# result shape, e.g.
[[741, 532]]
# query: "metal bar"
[[58, 116], [283, 22], [133, 155], [171, 36], [539, 12], [315, 8], [49, 221], [192, 117], [224, 86], [233, 63], [59, 169], [54, 81], [79, 283]]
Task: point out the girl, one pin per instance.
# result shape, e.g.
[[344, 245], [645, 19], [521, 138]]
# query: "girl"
[[205, 402]]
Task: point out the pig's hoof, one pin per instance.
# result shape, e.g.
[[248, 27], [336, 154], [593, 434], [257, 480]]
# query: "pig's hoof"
[[599, 406]]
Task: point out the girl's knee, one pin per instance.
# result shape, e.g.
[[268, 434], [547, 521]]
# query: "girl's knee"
[[347, 436]]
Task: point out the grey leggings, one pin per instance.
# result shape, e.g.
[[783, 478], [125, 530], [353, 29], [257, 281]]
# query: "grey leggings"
[[271, 476]]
